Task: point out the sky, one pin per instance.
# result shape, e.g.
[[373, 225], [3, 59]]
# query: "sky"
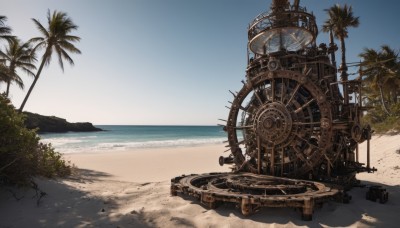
[[164, 62]]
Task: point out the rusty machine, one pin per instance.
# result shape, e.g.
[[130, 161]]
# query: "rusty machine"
[[293, 135]]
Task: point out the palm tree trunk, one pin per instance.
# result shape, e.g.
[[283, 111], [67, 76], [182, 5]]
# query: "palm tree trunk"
[[11, 71], [34, 81], [331, 43], [8, 88], [383, 100], [343, 74]]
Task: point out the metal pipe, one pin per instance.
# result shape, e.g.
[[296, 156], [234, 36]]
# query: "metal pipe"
[[273, 161], [259, 155], [282, 160], [357, 152], [296, 4], [278, 5], [368, 164]]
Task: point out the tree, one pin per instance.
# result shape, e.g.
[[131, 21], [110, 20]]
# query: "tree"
[[3, 73], [4, 34], [381, 74], [5, 31], [56, 38], [18, 56], [339, 20]]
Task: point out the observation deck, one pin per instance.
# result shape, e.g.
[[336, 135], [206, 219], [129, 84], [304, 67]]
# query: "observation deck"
[[288, 28]]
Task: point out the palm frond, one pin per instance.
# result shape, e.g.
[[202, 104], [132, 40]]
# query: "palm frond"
[[47, 55], [69, 47], [40, 28], [28, 71], [72, 38], [17, 79], [59, 54], [67, 57], [339, 20], [4, 56]]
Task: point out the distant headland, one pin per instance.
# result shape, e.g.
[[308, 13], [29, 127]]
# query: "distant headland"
[[53, 124]]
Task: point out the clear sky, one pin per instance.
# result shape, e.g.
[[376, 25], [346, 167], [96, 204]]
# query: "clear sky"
[[167, 62]]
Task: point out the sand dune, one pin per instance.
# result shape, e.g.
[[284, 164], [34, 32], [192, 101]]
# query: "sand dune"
[[131, 189]]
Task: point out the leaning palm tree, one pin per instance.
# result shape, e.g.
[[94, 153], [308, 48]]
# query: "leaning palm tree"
[[17, 55], [56, 38], [338, 22], [381, 75]]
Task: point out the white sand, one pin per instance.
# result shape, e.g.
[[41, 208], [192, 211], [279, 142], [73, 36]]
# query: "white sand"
[[149, 165], [131, 189]]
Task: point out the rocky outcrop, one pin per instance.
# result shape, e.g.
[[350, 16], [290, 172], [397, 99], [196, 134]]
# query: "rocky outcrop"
[[55, 124]]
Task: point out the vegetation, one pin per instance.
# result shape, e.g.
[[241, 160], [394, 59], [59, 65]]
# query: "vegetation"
[[22, 156], [338, 22], [55, 38], [5, 31], [4, 35], [379, 72], [381, 83], [17, 56]]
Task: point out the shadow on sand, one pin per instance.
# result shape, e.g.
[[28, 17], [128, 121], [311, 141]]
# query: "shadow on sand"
[[63, 205], [74, 202], [359, 212]]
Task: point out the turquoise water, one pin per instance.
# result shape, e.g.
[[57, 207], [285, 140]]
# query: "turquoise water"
[[130, 137]]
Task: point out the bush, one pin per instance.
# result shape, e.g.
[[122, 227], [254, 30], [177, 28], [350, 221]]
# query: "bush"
[[381, 122], [22, 156]]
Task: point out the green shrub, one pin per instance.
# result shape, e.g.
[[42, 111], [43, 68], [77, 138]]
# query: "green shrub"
[[22, 156], [381, 122]]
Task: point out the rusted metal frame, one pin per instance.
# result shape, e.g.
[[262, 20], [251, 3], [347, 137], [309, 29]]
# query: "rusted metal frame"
[[212, 196], [309, 123], [265, 23], [272, 159], [272, 83], [300, 155], [282, 161], [283, 87], [293, 94], [259, 162], [305, 105]]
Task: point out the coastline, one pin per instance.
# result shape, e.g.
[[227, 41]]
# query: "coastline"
[[132, 189]]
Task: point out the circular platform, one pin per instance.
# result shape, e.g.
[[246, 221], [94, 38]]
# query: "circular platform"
[[251, 191]]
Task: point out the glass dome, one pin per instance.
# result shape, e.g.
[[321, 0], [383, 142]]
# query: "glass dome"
[[277, 39], [289, 29]]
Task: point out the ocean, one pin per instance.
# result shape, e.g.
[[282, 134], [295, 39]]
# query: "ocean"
[[124, 137]]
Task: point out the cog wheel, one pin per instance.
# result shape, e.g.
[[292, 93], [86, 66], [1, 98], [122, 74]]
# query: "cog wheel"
[[279, 124]]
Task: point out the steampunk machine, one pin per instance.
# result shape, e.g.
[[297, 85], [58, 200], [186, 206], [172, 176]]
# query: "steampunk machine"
[[293, 135]]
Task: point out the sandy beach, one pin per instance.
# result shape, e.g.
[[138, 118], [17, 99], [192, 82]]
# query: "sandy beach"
[[131, 189]]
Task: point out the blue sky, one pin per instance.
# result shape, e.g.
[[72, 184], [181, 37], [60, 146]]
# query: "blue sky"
[[167, 62]]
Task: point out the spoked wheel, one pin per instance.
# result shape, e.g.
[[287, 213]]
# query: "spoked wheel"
[[279, 124]]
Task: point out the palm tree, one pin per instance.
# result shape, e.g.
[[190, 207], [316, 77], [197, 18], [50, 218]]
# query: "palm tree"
[[328, 28], [380, 69], [5, 31], [340, 19], [3, 73], [18, 56], [56, 38], [4, 34]]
